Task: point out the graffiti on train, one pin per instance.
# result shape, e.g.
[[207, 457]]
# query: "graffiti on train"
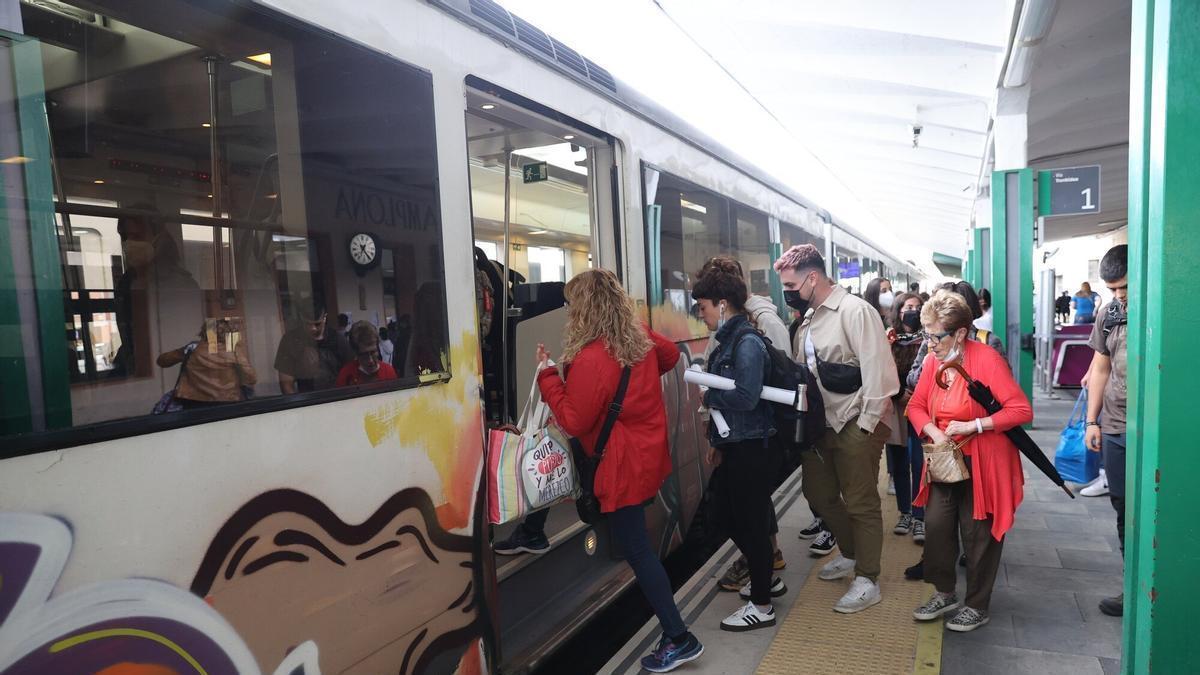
[[121, 627], [285, 565], [444, 424]]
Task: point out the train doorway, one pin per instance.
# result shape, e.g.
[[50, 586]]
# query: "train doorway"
[[542, 212]]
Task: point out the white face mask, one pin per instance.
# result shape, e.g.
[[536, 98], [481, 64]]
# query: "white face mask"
[[886, 299]]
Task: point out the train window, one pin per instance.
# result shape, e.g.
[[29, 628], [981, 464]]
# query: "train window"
[[235, 198], [792, 235], [752, 246], [688, 225]]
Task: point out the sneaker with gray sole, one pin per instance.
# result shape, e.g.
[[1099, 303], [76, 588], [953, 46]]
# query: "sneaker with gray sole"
[[967, 620], [936, 606]]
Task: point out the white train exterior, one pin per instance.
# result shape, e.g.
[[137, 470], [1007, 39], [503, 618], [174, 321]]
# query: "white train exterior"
[[330, 529]]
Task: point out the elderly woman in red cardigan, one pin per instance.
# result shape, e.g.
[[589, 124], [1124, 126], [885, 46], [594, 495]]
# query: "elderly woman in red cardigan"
[[982, 507]]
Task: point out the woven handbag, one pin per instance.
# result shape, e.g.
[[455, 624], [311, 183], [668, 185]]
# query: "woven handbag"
[[944, 462]]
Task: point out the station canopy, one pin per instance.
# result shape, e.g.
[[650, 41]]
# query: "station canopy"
[[856, 81]]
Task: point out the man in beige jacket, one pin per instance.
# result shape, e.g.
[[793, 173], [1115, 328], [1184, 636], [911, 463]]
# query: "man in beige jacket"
[[843, 342]]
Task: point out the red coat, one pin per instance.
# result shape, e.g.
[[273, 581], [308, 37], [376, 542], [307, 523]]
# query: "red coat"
[[995, 460], [637, 458]]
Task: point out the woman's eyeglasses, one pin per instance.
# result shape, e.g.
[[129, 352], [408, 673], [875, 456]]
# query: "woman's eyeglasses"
[[935, 338]]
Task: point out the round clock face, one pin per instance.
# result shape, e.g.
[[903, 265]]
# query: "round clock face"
[[362, 249]]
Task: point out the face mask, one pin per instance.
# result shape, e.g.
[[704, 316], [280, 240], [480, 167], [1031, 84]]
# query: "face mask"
[[953, 354], [886, 299], [795, 301], [911, 320]]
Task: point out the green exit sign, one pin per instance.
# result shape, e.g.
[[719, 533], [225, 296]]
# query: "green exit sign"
[[535, 172]]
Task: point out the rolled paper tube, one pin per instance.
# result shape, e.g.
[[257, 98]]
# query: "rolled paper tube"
[[696, 376], [719, 420], [772, 394]]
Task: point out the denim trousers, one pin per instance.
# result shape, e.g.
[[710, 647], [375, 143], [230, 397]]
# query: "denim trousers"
[[628, 526]]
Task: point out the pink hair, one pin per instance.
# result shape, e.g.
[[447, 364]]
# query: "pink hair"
[[800, 256]]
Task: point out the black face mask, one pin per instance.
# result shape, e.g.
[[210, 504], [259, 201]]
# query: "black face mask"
[[911, 320], [795, 301]]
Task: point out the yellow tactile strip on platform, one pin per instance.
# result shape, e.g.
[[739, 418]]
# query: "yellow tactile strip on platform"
[[882, 640]]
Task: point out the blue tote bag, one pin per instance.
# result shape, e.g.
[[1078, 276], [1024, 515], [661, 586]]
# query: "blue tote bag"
[[1073, 460]]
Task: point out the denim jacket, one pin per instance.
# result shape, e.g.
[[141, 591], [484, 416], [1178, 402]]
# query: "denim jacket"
[[749, 416]]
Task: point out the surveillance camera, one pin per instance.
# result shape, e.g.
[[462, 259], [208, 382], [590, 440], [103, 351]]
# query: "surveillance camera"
[[916, 129]]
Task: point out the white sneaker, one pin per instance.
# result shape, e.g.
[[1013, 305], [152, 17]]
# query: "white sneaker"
[[748, 618], [863, 593], [1098, 487], [778, 588], [837, 568]]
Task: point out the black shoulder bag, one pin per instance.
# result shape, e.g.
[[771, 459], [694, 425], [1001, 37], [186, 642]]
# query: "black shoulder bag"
[[586, 504]]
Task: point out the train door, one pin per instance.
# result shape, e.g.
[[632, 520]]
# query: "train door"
[[542, 210]]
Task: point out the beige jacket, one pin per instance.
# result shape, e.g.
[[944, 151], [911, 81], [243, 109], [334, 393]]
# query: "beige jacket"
[[845, 329]]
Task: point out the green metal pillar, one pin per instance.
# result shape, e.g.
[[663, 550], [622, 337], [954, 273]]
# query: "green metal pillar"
[[1163, 551], [1011, 262]]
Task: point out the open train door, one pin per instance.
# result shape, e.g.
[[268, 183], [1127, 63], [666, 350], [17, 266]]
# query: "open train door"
[[543, 211]]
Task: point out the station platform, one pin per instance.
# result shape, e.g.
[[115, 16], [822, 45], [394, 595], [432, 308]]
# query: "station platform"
[[1060, 558]]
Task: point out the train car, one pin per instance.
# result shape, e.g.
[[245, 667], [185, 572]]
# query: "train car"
[[204, 200]]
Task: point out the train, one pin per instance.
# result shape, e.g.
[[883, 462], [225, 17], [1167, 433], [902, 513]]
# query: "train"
[[230, 188]]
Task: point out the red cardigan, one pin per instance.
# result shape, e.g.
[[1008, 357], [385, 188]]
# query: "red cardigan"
[[637, 458], [995, 461]]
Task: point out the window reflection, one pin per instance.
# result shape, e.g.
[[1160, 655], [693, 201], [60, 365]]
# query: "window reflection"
[[210, 171]]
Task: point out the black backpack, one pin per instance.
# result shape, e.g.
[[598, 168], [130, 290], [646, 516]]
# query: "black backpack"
[[795, 430]]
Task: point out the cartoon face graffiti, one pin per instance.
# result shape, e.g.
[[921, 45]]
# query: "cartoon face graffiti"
[[117, 627], [396, 591]]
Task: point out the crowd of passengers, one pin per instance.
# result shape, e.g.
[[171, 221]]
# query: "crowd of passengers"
[[875, 359], [214, 365]]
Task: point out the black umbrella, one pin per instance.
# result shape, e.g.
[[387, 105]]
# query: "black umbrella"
[[984, 396]]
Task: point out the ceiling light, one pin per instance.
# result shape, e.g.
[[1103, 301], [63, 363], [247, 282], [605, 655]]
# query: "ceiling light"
[[692, 206], [15, 159], [261, 59], [98, 182], [569, 137], [539, 232], [487, 106], [273, 195], [206, 125], [210, 196]]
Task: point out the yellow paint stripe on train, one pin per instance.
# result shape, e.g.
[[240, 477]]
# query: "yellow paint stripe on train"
[[82, 638]]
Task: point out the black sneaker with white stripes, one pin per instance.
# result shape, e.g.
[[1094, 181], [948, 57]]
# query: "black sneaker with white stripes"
[[823, 544], [749, 618], [814, 528]]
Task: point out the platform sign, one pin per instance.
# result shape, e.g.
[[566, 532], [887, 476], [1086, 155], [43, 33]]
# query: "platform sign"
[[535, 173], [1069, 192]]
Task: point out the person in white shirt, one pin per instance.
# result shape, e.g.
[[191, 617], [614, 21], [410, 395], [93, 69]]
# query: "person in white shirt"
[[985, 303], [386, 348]]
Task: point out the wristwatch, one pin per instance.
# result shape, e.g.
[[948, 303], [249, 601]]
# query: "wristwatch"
[[1093, 423]]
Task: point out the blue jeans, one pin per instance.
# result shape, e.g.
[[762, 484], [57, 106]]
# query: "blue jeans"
[[898, 461], [916, 460], [628, 525]]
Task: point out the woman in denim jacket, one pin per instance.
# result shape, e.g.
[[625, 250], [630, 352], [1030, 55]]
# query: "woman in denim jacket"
[[746, 459]]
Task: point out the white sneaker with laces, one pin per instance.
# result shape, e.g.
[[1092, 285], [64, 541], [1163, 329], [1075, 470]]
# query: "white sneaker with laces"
[[837, 568], [778, 588], [863, 593], [1096, 488], [748, 618]]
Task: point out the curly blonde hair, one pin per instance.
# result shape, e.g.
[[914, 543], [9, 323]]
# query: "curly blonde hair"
[[600, 309]]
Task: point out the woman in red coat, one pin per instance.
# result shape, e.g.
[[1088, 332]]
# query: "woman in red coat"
[[603, 336], [982, 507]]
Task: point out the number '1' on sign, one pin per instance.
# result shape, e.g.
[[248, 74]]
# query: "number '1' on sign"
[[1070, 191]]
